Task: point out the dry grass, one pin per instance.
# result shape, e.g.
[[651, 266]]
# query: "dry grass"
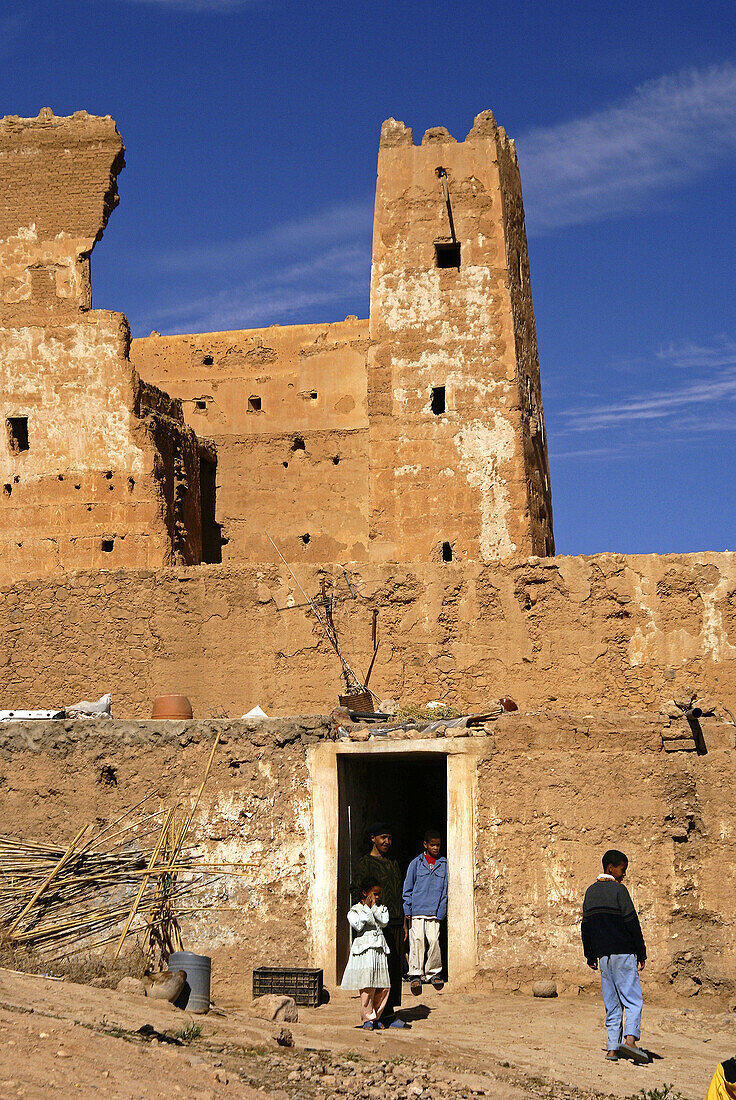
[[409, 712], [84, 969]]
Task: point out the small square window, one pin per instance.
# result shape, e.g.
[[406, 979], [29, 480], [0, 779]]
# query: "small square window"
[[438, 400], [254, 404], [17, 429], [208, 360], [107, 546], [447, 253], [200, 404]]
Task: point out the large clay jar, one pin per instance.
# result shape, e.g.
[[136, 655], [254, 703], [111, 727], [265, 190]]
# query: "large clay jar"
[[172, 706]]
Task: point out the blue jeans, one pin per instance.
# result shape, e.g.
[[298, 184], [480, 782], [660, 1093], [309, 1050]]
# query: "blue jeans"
[[621, 990]]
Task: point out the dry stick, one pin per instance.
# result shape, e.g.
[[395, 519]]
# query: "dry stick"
[[94, 840], [332, 638], [48, 880], [185, 828], [139, 895]]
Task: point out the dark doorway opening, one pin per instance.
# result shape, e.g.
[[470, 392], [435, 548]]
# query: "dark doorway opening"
[[211, 529], [407, 789]]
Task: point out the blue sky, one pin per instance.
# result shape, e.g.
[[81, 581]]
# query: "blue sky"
[[251, 129]]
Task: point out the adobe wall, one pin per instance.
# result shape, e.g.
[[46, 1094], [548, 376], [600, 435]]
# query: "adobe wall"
[[92, 472], [552, 790], [309, 382], [602, 632]]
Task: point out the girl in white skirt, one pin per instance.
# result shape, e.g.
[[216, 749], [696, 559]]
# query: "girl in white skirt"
[[367, 968]]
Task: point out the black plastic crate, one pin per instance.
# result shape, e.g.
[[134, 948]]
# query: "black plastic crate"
[[302, 983]]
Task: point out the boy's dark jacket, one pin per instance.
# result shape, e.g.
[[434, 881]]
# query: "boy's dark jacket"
[[610, 924]]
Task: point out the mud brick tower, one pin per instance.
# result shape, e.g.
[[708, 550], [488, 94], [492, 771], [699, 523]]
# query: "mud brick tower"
[[458, 457]]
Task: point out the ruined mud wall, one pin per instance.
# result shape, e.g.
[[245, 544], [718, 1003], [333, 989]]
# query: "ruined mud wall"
[[88, 476], [552, 791], [598, 632], [447, 428], [256, 809], [286, 410]]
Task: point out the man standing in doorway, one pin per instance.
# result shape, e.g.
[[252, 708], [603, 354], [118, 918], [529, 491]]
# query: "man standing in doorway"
[[378, 863]]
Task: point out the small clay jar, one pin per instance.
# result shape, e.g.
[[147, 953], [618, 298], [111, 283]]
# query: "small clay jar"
[[171, 706]]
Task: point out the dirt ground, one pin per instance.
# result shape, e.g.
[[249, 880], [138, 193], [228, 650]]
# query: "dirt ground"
[[72, 1040]]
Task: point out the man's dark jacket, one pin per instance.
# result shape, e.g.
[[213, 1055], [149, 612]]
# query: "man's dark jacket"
[[610, 924]]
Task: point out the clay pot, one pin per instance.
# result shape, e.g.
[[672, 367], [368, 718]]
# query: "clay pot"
[[171, 706]]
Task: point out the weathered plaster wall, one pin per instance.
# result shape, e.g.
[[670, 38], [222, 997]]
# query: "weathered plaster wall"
[[600, 632], [458, 476], [309, 383], [98, 472], [552, 790]]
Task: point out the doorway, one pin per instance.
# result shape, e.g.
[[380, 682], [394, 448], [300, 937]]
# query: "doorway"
[[409, 790]]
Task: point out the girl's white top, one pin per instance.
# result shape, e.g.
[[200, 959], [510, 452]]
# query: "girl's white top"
[[368, 922]]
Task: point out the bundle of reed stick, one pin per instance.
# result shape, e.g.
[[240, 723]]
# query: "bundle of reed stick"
[[108, 884]]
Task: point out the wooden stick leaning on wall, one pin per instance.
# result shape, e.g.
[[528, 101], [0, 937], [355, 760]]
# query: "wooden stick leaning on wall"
[[49, 879]]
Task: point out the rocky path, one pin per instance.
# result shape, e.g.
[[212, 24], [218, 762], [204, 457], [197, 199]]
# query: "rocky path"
[[69, 1040]]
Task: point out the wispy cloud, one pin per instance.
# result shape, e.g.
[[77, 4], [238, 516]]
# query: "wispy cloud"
[[336, 280], [668, 133], [678, 405], [337, 224], [280, 275]]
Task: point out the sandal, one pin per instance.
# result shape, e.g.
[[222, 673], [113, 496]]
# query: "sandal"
[[634, 1053], [416, 986]]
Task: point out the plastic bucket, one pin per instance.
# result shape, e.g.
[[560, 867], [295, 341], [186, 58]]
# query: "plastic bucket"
[[195, 996]]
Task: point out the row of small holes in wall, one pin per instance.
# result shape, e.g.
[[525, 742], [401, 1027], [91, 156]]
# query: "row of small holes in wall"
[[8, 488], [299, 445]]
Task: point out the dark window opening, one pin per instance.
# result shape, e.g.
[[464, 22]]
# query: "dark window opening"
[[7, 489], [305, 538], [446, 551], [108, 475], [208, 360], [286, 465], [200, 404], [447, 253], [336, 460], [107, 545], [313, 395], [438, 400], [254, 404], [131, 484], [17, 429], [211, 530], [298, 444], [61, 477]]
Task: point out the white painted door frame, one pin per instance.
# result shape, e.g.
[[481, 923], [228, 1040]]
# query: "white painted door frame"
[[462, 756]]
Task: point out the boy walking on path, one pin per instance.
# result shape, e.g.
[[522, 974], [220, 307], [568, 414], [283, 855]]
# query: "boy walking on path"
[[613, 942], [425, 905]]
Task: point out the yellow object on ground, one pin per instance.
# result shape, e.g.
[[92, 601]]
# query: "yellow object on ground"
[[720, 1088]]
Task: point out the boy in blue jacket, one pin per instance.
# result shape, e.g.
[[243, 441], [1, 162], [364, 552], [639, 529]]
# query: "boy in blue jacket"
[[425, 905]]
